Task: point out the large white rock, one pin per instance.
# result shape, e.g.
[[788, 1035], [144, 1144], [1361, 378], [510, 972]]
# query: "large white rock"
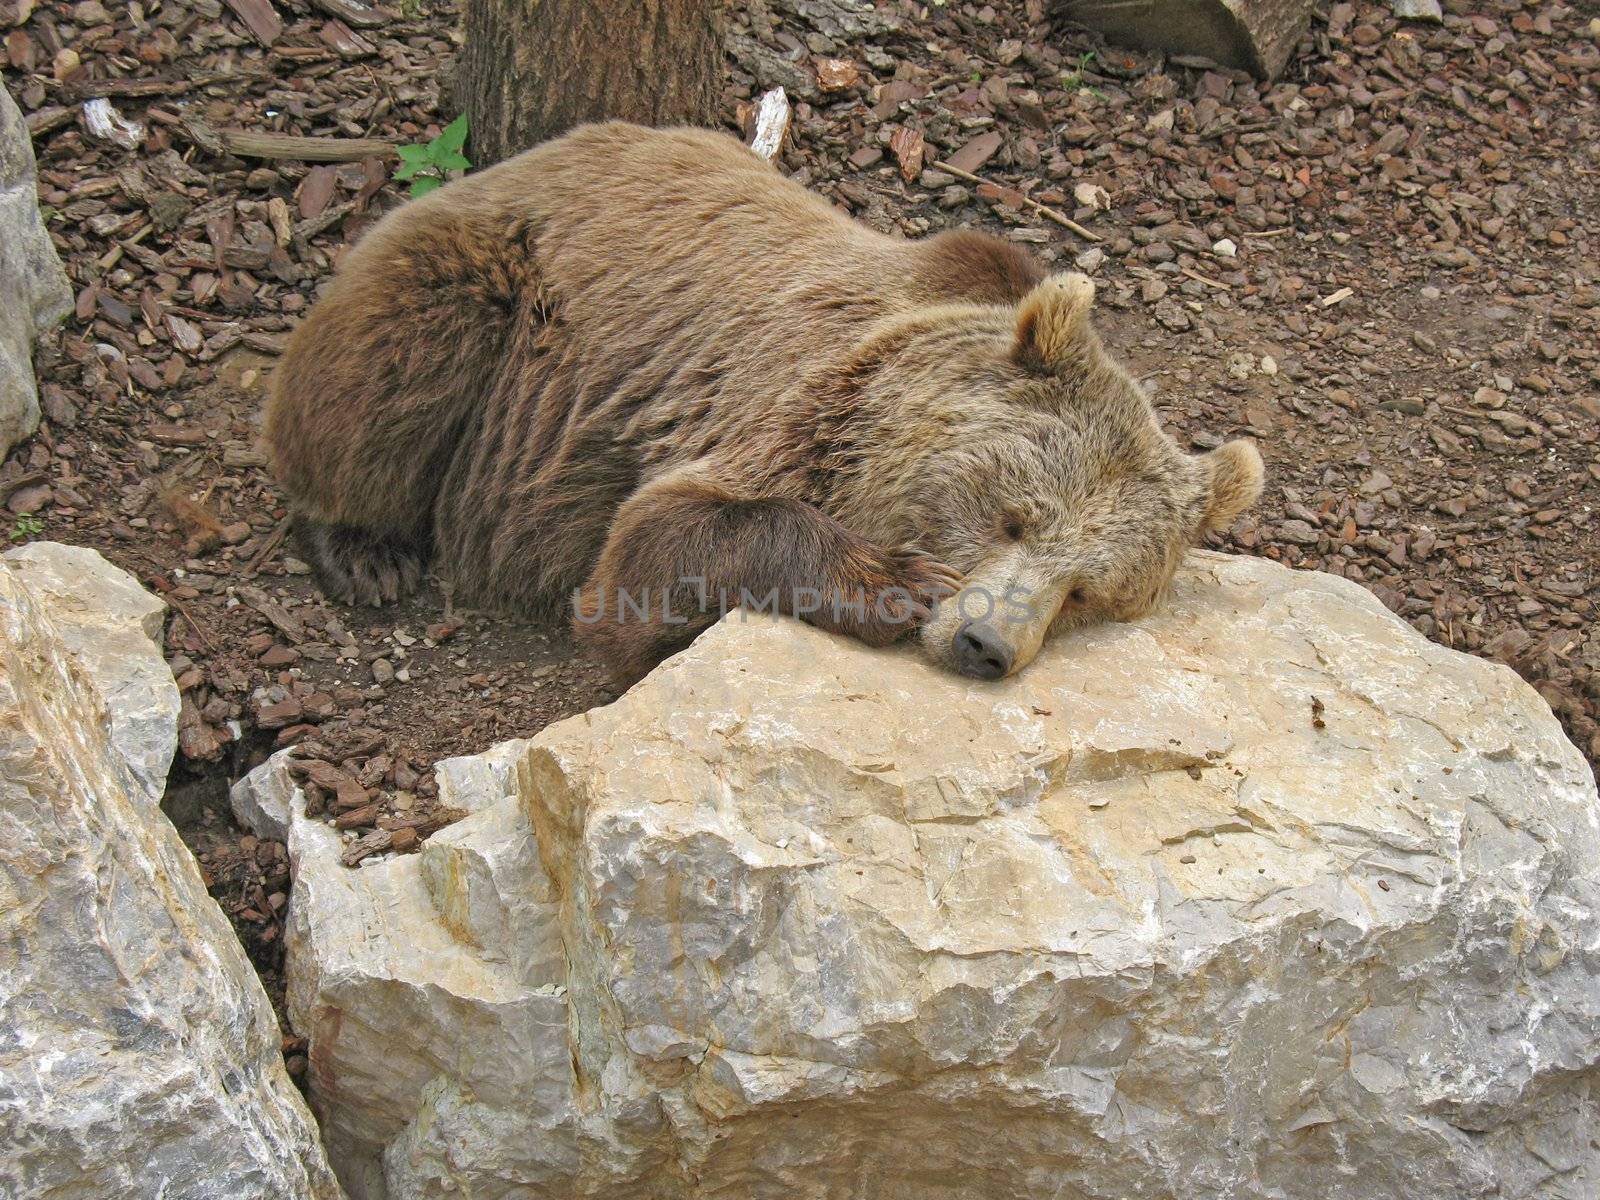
[[34, 293], [1265, 896], [138, 1054]]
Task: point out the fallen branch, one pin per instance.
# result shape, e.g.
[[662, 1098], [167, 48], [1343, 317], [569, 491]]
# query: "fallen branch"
[[247, 144], [1042, 209], [97, 88]]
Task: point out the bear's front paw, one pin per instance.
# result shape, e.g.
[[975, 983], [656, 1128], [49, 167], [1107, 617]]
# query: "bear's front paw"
[[925, 578], [899, 595]]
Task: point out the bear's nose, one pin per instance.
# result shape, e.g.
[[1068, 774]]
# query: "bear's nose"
[[981, 652]]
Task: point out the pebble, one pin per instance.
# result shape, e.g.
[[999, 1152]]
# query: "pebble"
[[1225, 248]]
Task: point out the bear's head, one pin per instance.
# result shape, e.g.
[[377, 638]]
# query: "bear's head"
[[1050, 484]]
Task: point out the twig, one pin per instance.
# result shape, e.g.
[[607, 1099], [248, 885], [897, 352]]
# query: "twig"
[[1270, 232], [274, 540], [114, 255], [1042, 209], [247, 144], [188, 616], [1192, 274]]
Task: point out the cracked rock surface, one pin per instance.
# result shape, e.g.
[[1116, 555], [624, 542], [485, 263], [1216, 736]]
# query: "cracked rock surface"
[[1265, 896], [138, 1054]]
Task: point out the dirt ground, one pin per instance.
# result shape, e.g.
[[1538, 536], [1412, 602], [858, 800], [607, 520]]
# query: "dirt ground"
[[1384, 267]]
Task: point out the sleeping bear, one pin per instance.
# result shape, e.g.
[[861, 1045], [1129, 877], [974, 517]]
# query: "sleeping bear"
[[641, 373]]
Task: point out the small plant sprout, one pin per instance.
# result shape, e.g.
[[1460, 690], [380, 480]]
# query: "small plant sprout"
[[1073, 80], [25, 527], [426, 165]]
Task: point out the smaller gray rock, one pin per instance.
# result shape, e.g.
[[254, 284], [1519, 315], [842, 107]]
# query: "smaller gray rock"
[[34, 293]]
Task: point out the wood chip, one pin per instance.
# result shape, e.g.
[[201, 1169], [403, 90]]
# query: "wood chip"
[[259, 17], [278, 217], [352, 12], [355, 818], [402, 841], [316, 189], [771, 124], [910, 149], [837, 74], [975, 153], [375, 842], [285, 621], [186, 335]]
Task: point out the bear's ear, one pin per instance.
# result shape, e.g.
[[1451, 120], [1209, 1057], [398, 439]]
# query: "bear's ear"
[[1233, 475], [1052, 320]]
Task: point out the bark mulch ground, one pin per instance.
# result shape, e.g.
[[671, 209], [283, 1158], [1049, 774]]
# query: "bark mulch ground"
[[1384, 267]]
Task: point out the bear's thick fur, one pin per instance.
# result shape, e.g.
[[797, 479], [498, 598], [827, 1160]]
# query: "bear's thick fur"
[[641, 361]]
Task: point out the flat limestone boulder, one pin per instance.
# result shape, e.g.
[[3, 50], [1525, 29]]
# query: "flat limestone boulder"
[[139, 1056], [1258, 36], [1262, 897], [34, 293]]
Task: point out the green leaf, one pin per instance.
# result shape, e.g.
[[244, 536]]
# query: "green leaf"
[[407, 170], [413, 154], [454, 136], [452, 162], [423, 184]]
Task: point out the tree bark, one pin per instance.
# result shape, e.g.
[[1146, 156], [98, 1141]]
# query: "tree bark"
[[532, 69]]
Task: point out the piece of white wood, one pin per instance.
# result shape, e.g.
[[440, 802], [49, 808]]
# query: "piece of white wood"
[[771, 124]]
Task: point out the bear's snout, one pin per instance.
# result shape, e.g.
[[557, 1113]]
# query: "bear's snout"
[[981, 652]]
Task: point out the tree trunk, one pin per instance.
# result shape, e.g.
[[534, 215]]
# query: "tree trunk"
[[532, 69], [1255, 35]]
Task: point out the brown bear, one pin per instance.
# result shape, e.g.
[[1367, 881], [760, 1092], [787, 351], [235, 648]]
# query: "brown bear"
[[641, 369]]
